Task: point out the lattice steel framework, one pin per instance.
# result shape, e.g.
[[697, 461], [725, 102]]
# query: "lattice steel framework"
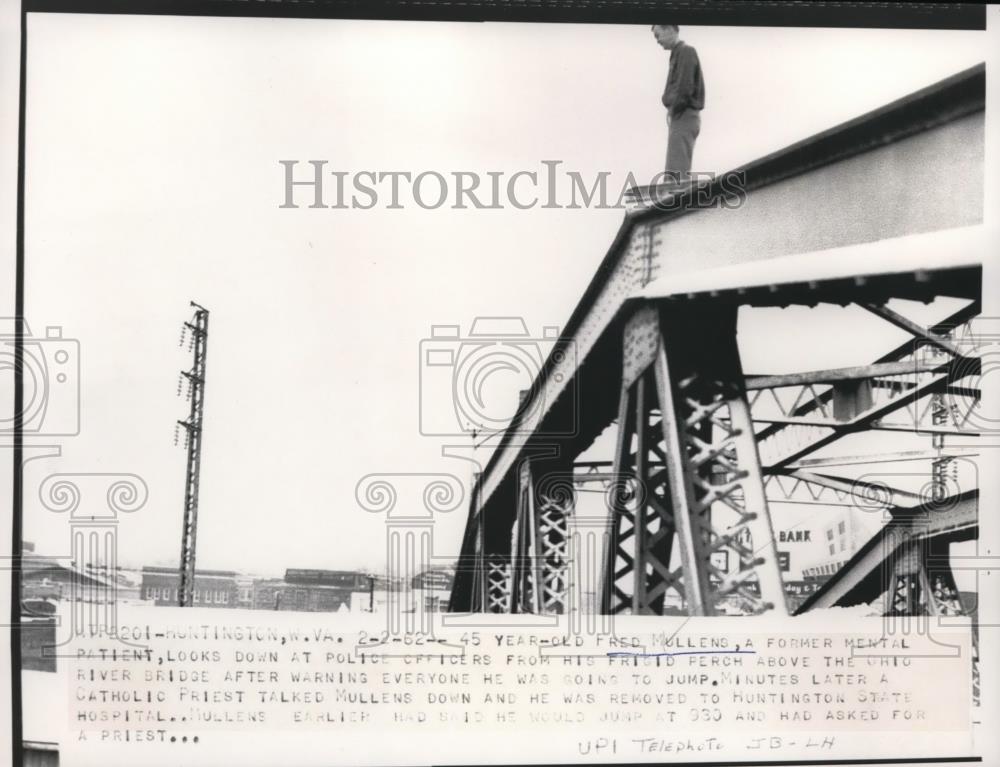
[[801, 413], [642, 526], [497, 583], [196, 331], [691, 531], [920, 578], [554, 501], [525, 591], [915, 574], [540, 541], [685, 433]]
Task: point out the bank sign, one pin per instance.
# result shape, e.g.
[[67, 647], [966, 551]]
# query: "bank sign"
[[794, 536]]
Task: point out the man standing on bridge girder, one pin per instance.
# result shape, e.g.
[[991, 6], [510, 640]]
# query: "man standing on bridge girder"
[[684, 98]]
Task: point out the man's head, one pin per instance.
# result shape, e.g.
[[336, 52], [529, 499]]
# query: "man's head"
[[667, 35]]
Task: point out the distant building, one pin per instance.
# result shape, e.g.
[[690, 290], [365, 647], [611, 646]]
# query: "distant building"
[[381, 582], [48, 578], [212, 588], [434, 579], [300, 590], [841, 538], [434, 585], [310, 590], [244, 591], [345, 579], [127, 583]]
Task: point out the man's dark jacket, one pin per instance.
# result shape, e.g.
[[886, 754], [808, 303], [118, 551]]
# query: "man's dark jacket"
[[685, 87]]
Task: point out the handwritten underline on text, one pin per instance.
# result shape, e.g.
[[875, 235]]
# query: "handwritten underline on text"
[[679, 652]]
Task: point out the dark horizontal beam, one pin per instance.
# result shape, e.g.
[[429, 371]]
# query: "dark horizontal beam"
[[592, 465], [959, 317], [875, 370], [923, 286], [853, 486], [594, 476], [873, 458], [874, 425], [719, 12]]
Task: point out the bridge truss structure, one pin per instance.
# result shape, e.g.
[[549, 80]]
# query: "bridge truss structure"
[[703, 450]]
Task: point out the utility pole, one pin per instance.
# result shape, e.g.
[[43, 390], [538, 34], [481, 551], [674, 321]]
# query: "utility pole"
[[196, 333]]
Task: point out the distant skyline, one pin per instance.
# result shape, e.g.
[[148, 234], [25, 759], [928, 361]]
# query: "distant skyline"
[[154, 178]]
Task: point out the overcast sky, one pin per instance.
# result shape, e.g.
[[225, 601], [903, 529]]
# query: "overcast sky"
[[153, 178]]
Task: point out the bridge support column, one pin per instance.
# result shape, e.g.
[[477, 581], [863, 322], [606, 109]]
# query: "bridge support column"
[[497, 583], [540, 539], [921, 581], [525, 593], [686, 436], [555, 497], [478, 596]]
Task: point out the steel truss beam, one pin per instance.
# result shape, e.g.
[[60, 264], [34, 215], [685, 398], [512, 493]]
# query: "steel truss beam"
[[810, 416], [554, 502], [814, 377], [480, 581], [643, 245], [686, 437], [900, 456], [932, 337], [867, 402], [800, 486], [793, 486], [497, 583], [540, 540], [701, 439], [930, 409], [524, 589], [922, 582]]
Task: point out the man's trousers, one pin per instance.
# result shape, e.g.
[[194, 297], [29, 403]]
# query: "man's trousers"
[[682, 131]]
